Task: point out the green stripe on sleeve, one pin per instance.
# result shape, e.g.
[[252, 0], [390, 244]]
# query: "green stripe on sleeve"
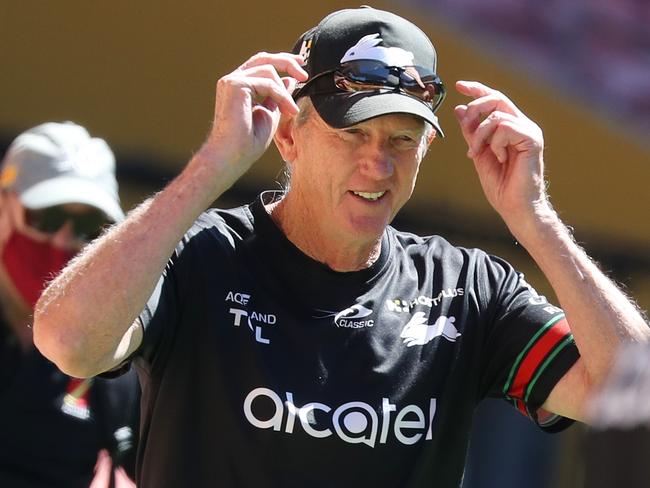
[[567, 340], [529, 346]]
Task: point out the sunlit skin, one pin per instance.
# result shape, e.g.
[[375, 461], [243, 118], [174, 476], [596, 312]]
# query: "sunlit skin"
[[321, 214]]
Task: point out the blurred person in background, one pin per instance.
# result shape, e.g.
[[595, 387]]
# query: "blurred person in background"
[[57, 192], [616, 449]]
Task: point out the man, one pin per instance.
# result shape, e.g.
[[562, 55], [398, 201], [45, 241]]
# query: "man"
[[302, 341], [58, 191]]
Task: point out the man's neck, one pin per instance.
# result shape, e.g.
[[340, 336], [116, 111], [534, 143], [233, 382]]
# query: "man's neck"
[[333, 249]]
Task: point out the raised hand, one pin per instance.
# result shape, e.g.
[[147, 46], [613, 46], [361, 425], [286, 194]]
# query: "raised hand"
[[506, 147], [248, 105]]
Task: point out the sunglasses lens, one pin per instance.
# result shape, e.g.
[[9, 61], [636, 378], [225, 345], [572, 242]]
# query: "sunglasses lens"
[[366, 75], [47, 220], [365, 71], [431, 92], [89, 226], [85, 226]]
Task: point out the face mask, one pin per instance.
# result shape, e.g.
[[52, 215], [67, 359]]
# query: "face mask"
[[30, 264]]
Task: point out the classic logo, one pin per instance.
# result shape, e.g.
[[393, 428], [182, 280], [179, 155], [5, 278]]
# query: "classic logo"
[[354, 317], [368, 48], [353, 422], [418, 333], [254, 319]]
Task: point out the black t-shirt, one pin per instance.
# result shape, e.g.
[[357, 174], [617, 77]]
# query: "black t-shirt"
[[261, 367], [53, 426]]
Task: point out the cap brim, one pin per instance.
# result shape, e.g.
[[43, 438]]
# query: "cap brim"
[[59, 191], [341, 110]]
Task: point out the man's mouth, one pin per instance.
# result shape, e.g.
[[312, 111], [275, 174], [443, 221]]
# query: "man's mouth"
[[370, 196]]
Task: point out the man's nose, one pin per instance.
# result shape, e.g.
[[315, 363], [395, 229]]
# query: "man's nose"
[[64, 238], [378, 162]]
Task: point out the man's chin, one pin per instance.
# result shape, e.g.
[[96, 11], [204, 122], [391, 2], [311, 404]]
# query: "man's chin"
[[368, 227]]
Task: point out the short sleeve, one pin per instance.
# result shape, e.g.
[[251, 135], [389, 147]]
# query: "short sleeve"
[[160, 314], [207, 241], [528, 347], [163, 309]]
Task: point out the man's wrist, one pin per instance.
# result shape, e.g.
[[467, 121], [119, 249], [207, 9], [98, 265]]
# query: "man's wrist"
[[538, 224]]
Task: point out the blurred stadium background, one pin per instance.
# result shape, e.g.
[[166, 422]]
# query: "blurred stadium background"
[[142, 75]]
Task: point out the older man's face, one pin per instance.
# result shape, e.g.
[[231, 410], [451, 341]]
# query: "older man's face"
[[355, 180]]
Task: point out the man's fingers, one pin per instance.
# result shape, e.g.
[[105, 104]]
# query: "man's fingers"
[[486, 105], [289, 83], [282, 62], [263, 71], [459, 111], [481, 136], [263, 88], [485, 134], [474, 89], [501, 140], [499, 131], [259, 88], [486, 100]]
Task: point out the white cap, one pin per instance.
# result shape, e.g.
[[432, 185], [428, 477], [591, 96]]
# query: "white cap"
[[58, 163]]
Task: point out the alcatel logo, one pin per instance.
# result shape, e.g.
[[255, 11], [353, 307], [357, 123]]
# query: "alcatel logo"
[[353, 422]]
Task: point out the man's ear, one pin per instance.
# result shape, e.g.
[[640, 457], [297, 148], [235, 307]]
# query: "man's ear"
[[284, 138], [431, 137]]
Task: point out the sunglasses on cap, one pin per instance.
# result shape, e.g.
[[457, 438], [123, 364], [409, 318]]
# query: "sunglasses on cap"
[[85, 226], [369, 75]]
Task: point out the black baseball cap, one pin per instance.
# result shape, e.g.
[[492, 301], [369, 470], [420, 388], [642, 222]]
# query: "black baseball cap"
[[331, 42]]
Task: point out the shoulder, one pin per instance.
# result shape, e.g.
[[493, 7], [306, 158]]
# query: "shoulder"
[[234, 221], [223, 227], [436, 248]]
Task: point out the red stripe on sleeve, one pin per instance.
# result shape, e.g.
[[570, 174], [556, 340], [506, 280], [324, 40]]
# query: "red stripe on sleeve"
[[536, 355], [521, 406]]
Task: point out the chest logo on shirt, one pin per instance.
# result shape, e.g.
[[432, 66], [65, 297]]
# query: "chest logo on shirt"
[[354, 317], [255, 320], [418, 333], [404, 305], [354, 422]]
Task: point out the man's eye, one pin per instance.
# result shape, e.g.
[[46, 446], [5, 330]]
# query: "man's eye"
[[405, 141], [352, 134]]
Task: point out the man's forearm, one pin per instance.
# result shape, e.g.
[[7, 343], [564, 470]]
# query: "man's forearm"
[[84, 313], [600, 315]]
